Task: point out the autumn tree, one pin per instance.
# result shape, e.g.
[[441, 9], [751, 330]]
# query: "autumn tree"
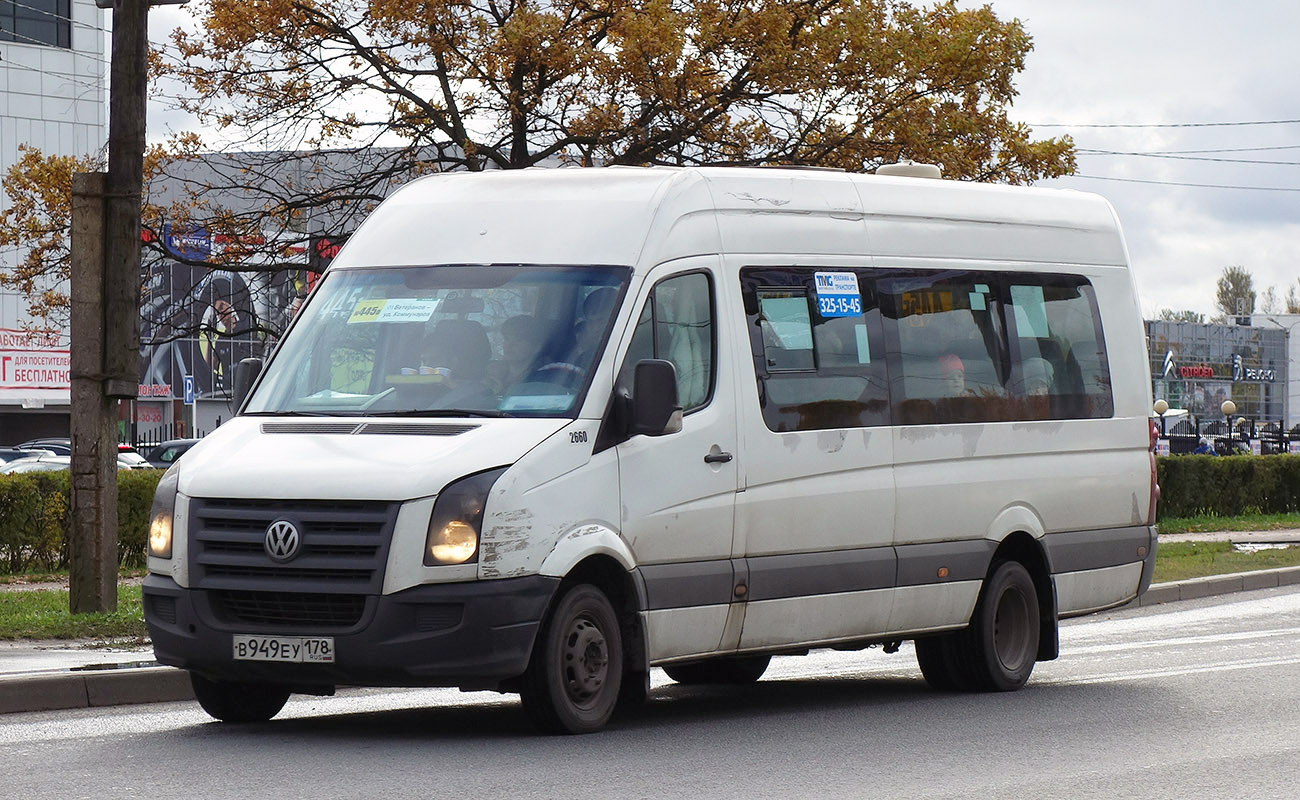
[[1184, 315], [1235, 292], [1292, 301], [35, 227], [316, 109], [515, 84]]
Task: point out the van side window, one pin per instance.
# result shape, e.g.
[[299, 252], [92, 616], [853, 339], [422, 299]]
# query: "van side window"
[[818, 352], [676, 324], [948, 352], [1061, 367]]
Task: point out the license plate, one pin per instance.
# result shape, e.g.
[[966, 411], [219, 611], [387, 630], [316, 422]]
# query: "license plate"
[[291, 649]]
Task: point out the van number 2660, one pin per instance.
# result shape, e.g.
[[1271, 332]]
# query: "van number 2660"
[[577, 437]]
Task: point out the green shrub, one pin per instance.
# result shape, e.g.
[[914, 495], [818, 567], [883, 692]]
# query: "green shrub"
[[1228, 486], [35, 518]]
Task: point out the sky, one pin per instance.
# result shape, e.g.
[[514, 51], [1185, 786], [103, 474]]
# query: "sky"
[[1169, 68]]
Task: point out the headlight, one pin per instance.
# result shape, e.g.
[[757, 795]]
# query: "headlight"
[[160, 515], [457, 519]]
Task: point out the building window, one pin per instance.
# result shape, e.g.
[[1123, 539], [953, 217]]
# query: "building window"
[[42, 22]]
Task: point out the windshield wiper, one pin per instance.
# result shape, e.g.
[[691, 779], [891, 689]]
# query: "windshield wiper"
[[438, 412], [289, 414]]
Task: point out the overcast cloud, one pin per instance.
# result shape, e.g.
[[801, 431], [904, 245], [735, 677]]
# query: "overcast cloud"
[[1142, 62], [1149, 62]]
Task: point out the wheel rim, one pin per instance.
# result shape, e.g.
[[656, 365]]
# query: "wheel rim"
[[1011, 629], [584, 657]]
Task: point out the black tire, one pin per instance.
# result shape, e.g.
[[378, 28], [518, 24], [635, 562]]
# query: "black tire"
[[935, 656], [729, 670], [997, 651], [575, 675], [1003, 637], [238, 702]]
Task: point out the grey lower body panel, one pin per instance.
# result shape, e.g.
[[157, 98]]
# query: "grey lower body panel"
[[769, 577], [462, 634]]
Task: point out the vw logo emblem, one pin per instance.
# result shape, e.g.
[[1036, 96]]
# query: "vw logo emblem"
[[281, 540]]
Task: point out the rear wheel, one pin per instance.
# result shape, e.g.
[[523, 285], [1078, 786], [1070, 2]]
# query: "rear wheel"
[[573, 680], [238, 702], [997, 651], [936, 657], [1004, 632], [733, 669]]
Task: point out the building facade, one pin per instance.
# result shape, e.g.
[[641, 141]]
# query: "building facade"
[[1197, 366], [53, 79]]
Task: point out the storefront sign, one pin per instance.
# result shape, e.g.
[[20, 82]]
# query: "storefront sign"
[[1240, 372], [1196, 372], [33, 361]]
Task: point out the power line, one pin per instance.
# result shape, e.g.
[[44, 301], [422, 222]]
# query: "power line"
[[1193, 185], [82, 53], [89, 82], [1188, 158], [1164, 124], [1208, 150], [56, 16]]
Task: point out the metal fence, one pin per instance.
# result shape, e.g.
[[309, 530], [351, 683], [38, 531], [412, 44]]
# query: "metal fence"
[[1186, 435], [157, 434]]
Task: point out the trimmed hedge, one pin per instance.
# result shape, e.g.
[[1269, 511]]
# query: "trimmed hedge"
[[35, 518], [1228, 486]]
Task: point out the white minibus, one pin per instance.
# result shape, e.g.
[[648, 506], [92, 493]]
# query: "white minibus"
[[540, 431]]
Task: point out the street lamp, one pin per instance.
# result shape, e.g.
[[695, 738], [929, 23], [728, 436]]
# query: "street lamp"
[[1229, 408], [1160, 408]]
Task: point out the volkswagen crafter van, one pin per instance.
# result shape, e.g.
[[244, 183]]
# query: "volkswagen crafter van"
[[540, 431]]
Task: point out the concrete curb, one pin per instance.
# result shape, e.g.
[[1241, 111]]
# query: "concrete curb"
[[131, 685], [1217, 584], [51, 691]]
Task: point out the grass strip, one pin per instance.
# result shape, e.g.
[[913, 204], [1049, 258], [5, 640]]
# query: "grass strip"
[[1178, 561], [43, 614], [1246, 522]]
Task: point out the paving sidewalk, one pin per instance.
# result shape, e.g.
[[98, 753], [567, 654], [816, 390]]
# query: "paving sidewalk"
[[50, 675]]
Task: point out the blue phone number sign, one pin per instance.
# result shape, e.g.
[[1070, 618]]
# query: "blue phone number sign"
[[837, 294]]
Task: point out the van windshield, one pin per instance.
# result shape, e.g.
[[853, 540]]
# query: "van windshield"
[[445, 341]]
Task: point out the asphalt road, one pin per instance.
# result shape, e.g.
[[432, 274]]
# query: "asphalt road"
[[1197, 699]]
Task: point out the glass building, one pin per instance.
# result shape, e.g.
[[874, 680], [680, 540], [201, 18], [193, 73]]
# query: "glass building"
[[1196, 366]]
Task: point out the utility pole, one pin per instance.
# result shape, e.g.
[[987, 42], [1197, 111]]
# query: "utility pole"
[[105, 320]]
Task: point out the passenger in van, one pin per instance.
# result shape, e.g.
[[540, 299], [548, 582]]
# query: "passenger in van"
[[953, 373], [1038, 376], [456, 356]]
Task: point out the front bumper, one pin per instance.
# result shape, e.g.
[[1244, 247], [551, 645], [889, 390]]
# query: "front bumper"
[[472, 635]]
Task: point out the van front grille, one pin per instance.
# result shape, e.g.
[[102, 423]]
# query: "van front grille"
[[342, 545]]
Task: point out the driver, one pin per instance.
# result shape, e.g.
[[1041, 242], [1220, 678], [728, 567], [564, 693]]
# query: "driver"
[[522, 338]]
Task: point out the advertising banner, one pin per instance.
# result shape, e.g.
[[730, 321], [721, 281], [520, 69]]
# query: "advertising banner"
[[200, 322], [34, 366]]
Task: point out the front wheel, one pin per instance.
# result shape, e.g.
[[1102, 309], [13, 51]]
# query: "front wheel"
[[238, 702], [573, 680]]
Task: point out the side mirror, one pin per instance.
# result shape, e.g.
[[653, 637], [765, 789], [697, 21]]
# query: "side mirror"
[[655, 410], [246, 372]]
